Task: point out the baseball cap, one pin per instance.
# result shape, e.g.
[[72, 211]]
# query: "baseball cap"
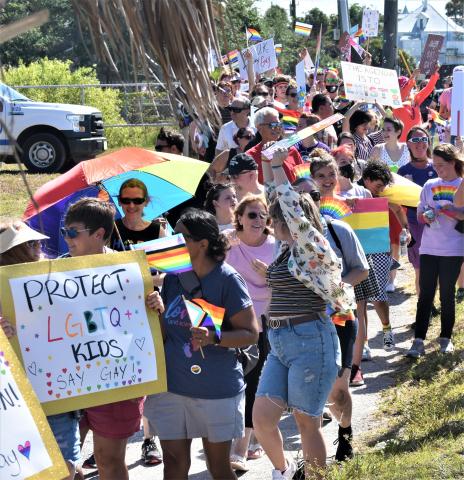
[[240, 163], [17, 234]]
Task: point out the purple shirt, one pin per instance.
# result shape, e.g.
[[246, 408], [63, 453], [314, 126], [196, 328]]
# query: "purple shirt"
[[305, 152], [445, 241]]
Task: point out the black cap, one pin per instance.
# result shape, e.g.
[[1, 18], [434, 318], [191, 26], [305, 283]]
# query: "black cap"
[[266, 81], [241, 163]]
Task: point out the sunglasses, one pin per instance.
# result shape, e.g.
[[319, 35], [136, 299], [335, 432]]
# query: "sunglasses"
[[159, 148], [293, 94], [235, 109], [135, 201], [246, 137], [72, 232], [273, 125], [255, 215], [419, 140], [331, 81]]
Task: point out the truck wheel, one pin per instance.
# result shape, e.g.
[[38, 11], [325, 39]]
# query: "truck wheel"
[[43, 153]]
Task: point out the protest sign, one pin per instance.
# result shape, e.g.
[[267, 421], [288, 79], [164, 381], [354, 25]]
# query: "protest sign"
[[300, 82], [370, 84], [302, 134], [457, 102], [370, 22], [28, 449], [264, 58], [369, 221], [345, 47], [429, 58], [308, 62], [84, 335]]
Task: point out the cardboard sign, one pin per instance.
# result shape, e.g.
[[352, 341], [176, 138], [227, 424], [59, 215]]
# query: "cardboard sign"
[[85, 337], [370, 84], [457, 102], [264, 58], [429, 59], [300, 82], [28, 449], [370, 22], [345, 47], [302, 134]]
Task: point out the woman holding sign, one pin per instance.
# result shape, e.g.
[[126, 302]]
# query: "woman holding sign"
[[20, 244], [205, 397]]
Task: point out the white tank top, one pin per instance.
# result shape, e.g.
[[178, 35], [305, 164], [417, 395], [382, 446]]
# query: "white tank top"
[[385, 158]]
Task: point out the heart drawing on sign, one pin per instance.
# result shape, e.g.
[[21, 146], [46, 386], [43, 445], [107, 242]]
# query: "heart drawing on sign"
[[25, 449], [32, 368], [140, 342]]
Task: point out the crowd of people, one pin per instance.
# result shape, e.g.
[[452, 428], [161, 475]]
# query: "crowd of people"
[[293, 282]]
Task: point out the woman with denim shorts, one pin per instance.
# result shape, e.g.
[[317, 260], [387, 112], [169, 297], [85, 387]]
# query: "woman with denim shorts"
[[305, 354]]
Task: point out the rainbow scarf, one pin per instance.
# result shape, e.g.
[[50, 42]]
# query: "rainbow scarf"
[[444, 193], [167, 254], [334, 208]]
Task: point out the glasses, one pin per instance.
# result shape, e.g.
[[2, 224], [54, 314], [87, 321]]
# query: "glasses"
[[72, 232], [419, 140], [33, 244], [159, 148], [135, 201], [293, 94], [235, 109], [255, 215], [246, 137], [273, 125], [331, 81]]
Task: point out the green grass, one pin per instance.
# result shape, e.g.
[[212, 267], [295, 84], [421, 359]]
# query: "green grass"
[[421, 436]]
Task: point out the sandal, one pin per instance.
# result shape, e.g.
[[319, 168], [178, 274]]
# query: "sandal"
[[255, 451], [238, 463]]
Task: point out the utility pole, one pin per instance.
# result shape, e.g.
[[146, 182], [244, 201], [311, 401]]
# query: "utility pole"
[[344, 16], [390, 34], [293, 11]]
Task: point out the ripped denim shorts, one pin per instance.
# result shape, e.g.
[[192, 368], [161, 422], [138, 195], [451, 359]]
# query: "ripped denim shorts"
[[302, 365]]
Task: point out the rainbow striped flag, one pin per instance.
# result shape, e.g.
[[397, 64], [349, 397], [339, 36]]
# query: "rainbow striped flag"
[[302, 171], [289, 119], [231, 57], [167, 254], [278, 48], [214, 315], [402, 191], [303, 29], [370, 223], [253, 35]]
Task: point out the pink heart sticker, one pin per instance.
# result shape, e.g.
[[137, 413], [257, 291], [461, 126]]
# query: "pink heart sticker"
[[25, 449]]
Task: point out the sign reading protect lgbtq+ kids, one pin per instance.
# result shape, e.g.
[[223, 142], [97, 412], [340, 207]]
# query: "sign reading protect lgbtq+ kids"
[[84, 335], [371, 84]]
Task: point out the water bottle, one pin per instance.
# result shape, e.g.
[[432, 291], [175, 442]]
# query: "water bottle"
[[404, 242], [430, 214]]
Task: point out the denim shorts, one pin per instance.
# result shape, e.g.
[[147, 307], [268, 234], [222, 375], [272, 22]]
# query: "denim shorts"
[[177, 417], [302, 365], [65, 428]]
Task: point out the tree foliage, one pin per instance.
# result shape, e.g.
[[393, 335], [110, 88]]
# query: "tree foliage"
[[455, 10]]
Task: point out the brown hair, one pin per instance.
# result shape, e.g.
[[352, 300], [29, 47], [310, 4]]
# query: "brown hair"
[[19, 254], [241, 207], [411, 133], [449, 153], [325, 160], [134, 183]]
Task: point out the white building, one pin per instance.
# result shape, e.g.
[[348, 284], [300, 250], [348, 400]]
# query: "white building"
[[414, 28]]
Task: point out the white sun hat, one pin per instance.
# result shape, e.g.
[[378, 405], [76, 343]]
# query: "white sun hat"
[[17, 234]]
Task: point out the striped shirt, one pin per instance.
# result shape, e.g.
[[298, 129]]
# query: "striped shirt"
[[289, 296], [364, 146]]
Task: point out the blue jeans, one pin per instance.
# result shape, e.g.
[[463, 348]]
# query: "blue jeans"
[[65, 428], [302, 365]]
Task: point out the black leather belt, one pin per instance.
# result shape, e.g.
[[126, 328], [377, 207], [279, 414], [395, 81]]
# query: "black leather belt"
[[290, 321]]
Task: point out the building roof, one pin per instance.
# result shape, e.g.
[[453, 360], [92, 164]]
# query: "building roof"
[[436, 22]]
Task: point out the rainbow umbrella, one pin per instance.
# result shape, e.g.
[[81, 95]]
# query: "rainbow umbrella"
[[170, 180]]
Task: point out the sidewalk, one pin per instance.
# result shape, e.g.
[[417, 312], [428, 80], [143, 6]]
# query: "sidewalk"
[[378, 375]]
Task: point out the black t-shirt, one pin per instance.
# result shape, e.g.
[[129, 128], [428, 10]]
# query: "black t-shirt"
[[130, 237]]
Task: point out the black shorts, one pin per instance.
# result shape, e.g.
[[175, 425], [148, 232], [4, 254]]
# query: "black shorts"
[[347, 337]]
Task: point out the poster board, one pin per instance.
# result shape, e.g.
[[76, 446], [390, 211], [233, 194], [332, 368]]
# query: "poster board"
[[370, 22], [345, 47], [457, 102], [28, 449], [84, 336], [264, 58], [430, 54], [370, 84], [300, 82]]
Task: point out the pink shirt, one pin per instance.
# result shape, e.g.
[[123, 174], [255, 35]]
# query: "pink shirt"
[[445, 98]]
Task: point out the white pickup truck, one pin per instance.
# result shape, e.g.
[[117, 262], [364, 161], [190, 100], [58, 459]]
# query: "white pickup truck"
[[48, 134]]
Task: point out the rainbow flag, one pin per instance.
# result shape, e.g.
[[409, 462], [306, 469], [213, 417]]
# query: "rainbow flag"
[[167, 254], [302, 171], [402, 191], [195, 312], [303, 29], [435, 116], [214, 315], [253, 35], [278, 48], [370, 223], [289, 119], [334, 208], [231, 57], [443, 193]]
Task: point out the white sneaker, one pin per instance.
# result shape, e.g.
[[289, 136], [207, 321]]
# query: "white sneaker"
[[417, 349], [367, 354], [446, 345], [388, 341], [287, 474]]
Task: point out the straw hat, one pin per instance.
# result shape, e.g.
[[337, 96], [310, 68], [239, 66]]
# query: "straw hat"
[[17, 234]]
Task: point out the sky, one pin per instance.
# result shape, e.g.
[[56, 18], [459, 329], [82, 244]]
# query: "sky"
[[330, 6]]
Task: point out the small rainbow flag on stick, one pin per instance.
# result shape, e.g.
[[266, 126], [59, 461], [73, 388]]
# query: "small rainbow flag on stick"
[[167, 254], [334, 208], [303, 29], [231, 57], [205, 314], [253, 35], [278, 48], [444, 193]]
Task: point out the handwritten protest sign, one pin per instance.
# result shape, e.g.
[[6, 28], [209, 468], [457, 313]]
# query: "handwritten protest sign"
[[371, 84], [300, 82], [264, 58], [457, 102], [429, 58], [302, 134], [370, 22], [84, 335], [28, 449], [345, 47]]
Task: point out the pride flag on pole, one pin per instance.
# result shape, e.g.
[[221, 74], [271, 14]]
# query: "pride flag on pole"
[[303, 29], [205, 314], [278, 48], [318, 54], [167, 254], [253, 35], [231, 57]]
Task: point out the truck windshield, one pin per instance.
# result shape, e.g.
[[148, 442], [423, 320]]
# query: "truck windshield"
[[11, 94]]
